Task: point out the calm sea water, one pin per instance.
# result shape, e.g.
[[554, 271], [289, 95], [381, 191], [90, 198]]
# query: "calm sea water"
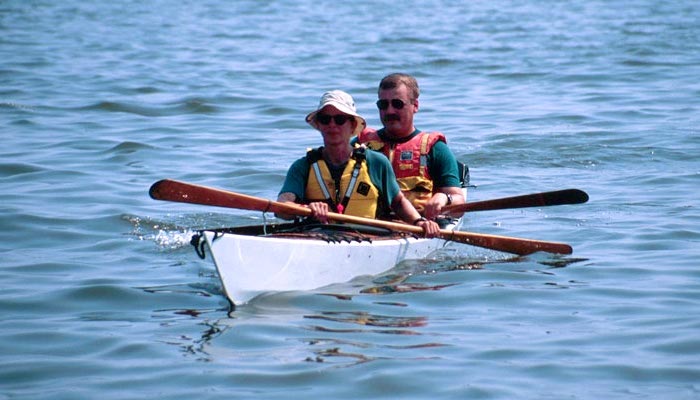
[[103, 297]]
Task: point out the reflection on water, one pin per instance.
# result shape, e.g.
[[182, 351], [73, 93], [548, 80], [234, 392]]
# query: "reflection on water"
[[364, 318], [403, 288], [342, 337]]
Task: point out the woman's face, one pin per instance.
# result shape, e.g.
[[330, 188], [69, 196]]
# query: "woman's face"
[[336, 127]]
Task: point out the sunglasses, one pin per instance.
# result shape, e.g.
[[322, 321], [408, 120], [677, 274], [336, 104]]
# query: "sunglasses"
[[325, 119], [396, 103]]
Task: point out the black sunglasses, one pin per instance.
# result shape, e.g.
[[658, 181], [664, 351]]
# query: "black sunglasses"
[[396, 103], [325, 119]]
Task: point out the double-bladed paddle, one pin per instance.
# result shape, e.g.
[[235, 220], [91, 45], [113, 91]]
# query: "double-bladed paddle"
[[183, 192], [556, 198]]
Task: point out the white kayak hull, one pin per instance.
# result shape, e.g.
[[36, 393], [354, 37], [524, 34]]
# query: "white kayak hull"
[[249, 265]]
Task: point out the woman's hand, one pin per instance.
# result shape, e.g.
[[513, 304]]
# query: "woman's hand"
[[430, 228], [319, 210]]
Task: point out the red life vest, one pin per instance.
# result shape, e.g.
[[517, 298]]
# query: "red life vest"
[[409, 161]]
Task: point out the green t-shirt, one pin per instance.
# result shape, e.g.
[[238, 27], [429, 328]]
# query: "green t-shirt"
[[380, 173]]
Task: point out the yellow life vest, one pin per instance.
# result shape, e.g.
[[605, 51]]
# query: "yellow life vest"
[[354, 194]]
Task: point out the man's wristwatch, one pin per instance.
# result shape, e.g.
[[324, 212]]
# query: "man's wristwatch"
[[449, 199]]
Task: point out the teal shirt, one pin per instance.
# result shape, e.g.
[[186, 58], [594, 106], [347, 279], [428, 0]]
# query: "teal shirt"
[[380, 173], [442, 164]]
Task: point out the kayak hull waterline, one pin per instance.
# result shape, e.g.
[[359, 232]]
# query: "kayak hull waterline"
[[293, 258]]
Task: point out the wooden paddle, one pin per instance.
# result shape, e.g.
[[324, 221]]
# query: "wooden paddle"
[[183, 192], [559, 197]]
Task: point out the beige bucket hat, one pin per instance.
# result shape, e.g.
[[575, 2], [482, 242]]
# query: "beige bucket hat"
[[344, 103]]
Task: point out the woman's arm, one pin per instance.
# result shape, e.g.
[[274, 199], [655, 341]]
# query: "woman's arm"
[[405, 210]]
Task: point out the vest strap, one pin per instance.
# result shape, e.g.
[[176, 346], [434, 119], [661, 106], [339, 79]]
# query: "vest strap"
[[351, 186], [319, 178], [424, 153]]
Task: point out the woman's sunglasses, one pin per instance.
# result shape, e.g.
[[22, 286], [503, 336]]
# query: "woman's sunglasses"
[[325, 119], [396, 103]]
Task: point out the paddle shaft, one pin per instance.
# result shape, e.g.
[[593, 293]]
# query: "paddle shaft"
[[555, 198], [183, 192]]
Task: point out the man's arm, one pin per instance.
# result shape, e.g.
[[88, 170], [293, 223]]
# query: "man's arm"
[[445, 173], [405, 210]]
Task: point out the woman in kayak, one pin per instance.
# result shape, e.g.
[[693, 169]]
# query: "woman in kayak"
[[344, 179]]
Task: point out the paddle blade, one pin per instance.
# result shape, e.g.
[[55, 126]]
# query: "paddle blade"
[[183, 192], [555, 198], [560, 197], [507, 244]]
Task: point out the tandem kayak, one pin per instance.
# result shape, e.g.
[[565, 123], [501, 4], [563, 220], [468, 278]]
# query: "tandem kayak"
[[251, 260], [302, 256]]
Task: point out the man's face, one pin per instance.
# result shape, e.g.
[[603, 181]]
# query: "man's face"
[[398, 122]]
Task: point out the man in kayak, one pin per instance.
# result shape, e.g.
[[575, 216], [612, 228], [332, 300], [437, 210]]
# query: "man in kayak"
[[427, 171], [343, 178]]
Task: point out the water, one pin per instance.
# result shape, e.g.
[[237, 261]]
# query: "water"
[[104, 297]]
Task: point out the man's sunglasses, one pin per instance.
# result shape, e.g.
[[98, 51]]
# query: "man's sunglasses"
[[325, 119], [396, 103]]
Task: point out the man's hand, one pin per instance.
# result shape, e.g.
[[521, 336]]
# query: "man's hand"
[[433, 208]]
